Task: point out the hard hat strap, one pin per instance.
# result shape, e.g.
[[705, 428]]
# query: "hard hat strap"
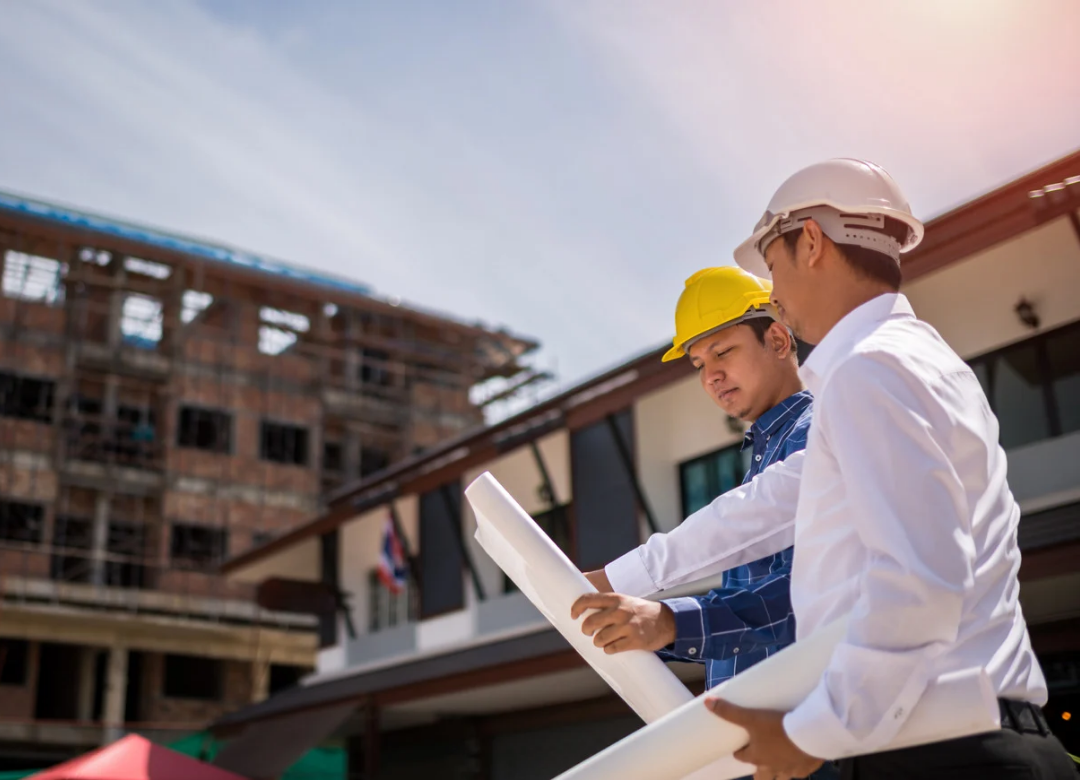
[[865, 230], [752, 314]]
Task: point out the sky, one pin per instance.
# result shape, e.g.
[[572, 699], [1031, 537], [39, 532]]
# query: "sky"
[[557, 167]]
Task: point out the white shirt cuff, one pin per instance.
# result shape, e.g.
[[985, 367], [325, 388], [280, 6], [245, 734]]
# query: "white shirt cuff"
[[628, 575], [815, 729]]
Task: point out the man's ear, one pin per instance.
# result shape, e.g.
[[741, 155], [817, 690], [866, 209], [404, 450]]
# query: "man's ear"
[[779, 340], [815, 239]]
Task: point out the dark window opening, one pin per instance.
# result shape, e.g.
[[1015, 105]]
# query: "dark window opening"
[[284, 676], [21, 522], [375, 367], [126, 546], [333, 457], [198, 547], [703, 479], [26, 399], [192, 677], [72, 538], [1032, 386], [13, 654], [281, 443], [204, 429], [373, 460]]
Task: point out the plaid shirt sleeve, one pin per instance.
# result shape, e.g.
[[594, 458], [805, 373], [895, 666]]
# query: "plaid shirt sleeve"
[[730, 621]]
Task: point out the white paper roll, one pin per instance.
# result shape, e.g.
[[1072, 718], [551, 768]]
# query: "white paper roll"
[[552, 583], [684, 740]]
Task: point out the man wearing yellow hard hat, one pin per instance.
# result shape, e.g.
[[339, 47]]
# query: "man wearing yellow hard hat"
[[727, 327]]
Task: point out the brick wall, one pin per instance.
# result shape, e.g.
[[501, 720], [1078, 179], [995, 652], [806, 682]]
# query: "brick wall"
[[158, 708]]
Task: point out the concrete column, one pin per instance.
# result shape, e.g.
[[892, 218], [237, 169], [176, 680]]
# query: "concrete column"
[[99, 539], [116, 300], [350, 454], [260, 681], [87, 669], [115, 693]]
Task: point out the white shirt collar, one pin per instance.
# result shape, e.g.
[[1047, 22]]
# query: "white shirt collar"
[[856, 325]]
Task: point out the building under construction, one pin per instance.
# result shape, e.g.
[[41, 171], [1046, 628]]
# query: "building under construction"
[[165, 404]]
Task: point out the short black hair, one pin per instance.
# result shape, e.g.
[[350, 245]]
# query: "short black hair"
[[869, 263], [760, 326]]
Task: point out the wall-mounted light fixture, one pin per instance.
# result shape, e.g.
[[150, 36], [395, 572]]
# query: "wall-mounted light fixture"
[[1025, 310]]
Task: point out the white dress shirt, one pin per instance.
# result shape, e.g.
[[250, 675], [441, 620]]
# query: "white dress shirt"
[[905, 520], [745, 524]]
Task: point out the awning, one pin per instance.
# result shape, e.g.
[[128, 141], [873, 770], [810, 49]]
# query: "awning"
[[267, 748]]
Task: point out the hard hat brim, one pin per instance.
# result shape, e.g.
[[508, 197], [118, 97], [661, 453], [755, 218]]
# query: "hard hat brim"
[[752, 261]]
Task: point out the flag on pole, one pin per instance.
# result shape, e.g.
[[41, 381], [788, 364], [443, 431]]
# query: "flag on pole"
[[393, 571]]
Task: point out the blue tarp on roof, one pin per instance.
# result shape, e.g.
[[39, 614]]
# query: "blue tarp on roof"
[[145, 235]]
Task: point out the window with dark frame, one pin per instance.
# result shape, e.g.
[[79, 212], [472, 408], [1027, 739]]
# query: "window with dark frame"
[[13, 661], [1032, 386], [375, 367], [21, 522], [192, 677], [204, 429], [282, 443], [703, 479], [24, 398], [199, 547], [387, 609]]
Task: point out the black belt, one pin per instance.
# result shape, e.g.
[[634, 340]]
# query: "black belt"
[[1023, 717]]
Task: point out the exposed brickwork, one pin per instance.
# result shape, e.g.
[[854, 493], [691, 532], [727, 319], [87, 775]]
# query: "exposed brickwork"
[[158, 708], [365, 371]]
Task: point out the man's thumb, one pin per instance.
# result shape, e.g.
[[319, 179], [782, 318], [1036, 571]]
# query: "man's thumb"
[[728, 711]]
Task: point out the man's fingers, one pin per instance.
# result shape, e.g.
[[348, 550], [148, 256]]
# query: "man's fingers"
[[608, 635], [733, 713], [592, 601]]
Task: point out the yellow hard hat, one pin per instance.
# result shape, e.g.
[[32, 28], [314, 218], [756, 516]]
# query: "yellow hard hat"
[[717, 298]]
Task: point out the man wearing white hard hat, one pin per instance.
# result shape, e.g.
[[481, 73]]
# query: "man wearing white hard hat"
[[905, 520]]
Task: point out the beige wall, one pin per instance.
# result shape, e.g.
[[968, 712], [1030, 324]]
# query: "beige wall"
[[971, 302], [298, 562], [673, 425], [518, 473]]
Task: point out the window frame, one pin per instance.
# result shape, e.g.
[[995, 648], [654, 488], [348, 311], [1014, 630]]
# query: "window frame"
[[217, 450], [302, 446], [1037, 342], [741, 460]]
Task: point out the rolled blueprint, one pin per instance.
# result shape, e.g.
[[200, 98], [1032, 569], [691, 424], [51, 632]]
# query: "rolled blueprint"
[[956, 705], [683, 739], [552, 583]]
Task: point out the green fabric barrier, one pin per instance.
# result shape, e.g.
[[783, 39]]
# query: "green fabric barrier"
[[319, 763]]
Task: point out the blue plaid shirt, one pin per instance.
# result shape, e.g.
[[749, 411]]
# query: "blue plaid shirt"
[[750, 618]]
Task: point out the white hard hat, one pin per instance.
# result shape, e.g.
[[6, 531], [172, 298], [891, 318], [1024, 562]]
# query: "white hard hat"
[[850, 199]]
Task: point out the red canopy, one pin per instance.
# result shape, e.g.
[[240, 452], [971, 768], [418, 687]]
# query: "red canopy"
[[134, 758]]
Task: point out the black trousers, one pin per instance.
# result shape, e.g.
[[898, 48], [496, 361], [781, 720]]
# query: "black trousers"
[[1024, 749]]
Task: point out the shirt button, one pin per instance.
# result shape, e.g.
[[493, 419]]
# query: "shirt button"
[[757, 458], [735, 650], [767, 438], [693, 651]]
